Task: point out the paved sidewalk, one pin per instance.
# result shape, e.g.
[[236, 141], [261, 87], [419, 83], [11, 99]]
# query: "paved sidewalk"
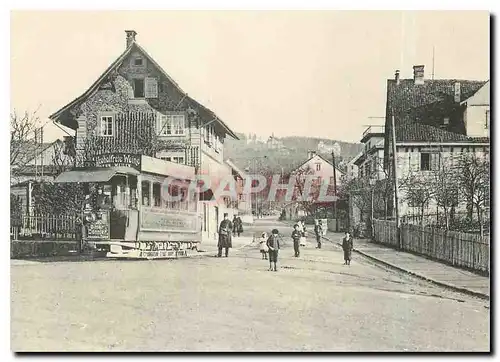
[[433, 271]]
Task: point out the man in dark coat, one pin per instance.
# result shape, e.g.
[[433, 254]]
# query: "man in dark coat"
[[347, 246], [273, 244], [237, 225], [225, 230]]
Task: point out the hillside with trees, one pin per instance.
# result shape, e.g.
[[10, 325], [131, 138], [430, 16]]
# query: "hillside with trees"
[[291, 152]]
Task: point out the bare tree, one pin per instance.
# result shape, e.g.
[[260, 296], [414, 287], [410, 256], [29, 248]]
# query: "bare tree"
[[22, 132], [62, 160], [306, 196], [417, 192], [474, 183], [445, 186], [359, 192]]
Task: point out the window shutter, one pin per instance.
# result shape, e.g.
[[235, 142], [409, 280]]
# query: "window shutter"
[[151, 87]]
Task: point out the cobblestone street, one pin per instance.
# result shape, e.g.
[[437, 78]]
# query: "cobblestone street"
[[235, 304]]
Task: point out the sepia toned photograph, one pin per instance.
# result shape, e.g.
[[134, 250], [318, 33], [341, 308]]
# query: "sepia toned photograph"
[[250, 181]]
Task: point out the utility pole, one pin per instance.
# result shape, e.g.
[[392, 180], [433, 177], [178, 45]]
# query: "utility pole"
[[335, 193], [36, 148], [433, 61], [395, 175], [41, 152]]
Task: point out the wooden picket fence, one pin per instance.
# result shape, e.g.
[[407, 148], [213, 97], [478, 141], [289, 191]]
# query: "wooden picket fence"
[[459, 249], [51, 227]]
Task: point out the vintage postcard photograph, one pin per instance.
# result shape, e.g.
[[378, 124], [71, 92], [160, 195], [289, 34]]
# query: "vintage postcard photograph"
[[250, 181]]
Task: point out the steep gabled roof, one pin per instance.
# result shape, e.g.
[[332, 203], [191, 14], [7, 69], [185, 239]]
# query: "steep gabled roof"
[[407, 96], [411, 104], [115, 65]]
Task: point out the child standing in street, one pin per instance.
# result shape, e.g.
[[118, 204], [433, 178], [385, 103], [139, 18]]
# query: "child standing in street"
[[273, 245], [296, 235], [263, 245]]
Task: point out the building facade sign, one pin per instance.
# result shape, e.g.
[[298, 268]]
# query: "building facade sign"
[[116, 160]]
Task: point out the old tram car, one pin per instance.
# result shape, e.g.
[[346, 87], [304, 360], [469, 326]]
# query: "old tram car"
[[126, 213]]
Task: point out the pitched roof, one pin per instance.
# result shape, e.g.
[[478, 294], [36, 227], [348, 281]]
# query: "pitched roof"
[[28, 150], [415, 132], [412, 103], [406, 96], [324, 159], [95, 86]]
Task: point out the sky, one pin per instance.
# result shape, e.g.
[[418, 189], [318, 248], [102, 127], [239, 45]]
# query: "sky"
[[303, 73]]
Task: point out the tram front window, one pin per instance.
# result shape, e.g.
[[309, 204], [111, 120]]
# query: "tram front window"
[[145, 193], [157, 194]]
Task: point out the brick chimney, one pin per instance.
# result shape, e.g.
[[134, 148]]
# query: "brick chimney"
[[396, 76], [457, 92], [130, 37], [418, 74]]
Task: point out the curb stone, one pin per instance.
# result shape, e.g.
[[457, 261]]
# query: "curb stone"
[[410, 272], [420, 276]]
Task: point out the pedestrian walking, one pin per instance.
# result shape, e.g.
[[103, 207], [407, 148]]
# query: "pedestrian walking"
[[302, 229], [273, 244], [263, 245], [296, 235], [347, 246], [237, 225], [318, 231], [225, 241]]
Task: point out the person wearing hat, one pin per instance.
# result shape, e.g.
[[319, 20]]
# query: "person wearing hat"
[[225, 230], [347, 246], [296, 235], [273, 245]]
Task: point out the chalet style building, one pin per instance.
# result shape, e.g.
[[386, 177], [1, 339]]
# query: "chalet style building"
[[136, 108], [435, 121]]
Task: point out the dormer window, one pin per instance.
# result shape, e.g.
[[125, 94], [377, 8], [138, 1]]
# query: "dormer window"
[[446, 121]]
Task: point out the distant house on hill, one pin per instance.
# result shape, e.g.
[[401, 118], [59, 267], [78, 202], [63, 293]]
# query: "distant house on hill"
[[274, 143]]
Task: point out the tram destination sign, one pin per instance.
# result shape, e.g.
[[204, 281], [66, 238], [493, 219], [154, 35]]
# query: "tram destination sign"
[[98, 230], [116, 160]]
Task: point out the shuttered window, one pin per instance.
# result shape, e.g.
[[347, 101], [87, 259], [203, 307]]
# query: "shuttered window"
[[151, 85], [171, 124]]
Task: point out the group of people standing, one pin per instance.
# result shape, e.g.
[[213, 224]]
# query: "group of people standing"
[[270, 245], [227, 230]]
